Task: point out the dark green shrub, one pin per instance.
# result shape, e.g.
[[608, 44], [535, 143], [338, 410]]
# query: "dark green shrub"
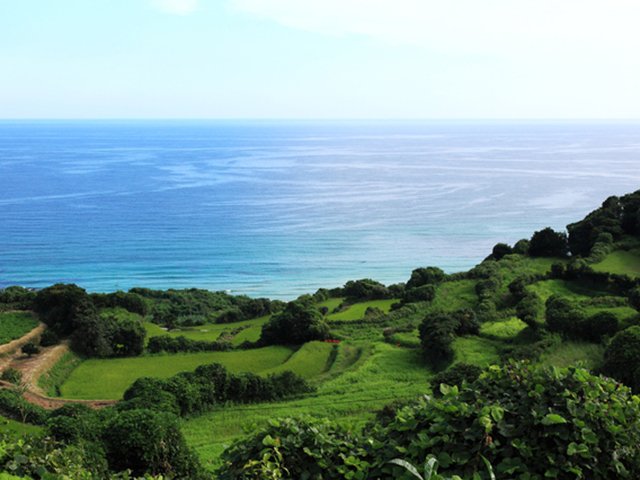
[[295, 448], [145, 441], [295, 325], [467, 322], [49, 338], [602, 324], [517, 288], [425, 276], [548, 243], [44, 458], [500, 250], [634, 297], [529, 309], [563, 317], [11, 375], [169, 344], [622, 356], [528, 421], [14, 405], [521, 247], [425, 293], [487, 287], [437, 332], [455, 376]]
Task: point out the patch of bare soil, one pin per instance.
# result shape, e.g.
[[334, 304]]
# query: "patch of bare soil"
[[35, 366]]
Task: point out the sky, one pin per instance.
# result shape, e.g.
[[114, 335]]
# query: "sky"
[[320, 59]]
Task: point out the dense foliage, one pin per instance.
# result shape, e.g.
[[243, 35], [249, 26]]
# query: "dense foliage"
[[528, 422], [295, 325], [209, 385], [168, 344], [439, 329]]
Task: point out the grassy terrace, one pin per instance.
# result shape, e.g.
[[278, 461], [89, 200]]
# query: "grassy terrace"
[[109, 378], [14, 325]]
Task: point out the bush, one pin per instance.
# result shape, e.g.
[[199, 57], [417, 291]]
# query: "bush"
[[521, 247], [622, 356], [189, 392], [425, 293], [295, 325], [149, 442], [548, 243], [11, 375], [528, 421], [600, 325], [455, 376], [500, 250], [295, 448], [438, 330], [425, 276], [49, 338], [564, 317], [169, 344], [529, 309]]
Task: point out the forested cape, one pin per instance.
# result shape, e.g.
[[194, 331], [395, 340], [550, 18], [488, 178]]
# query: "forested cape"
[[516, 419]]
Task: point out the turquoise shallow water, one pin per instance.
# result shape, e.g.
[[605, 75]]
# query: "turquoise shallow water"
[[277, 209]]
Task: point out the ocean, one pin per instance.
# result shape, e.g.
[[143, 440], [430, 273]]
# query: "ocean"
[[280, 208]]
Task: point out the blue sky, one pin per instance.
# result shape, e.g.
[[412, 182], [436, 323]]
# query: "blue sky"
[[431, 59]]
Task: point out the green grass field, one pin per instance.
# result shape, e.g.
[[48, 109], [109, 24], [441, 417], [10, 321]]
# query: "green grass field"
[[309, 361], [331, 303], [546, 288], [109, 378], [590, 355], [621, 262], [503, 330], [356, 311], [15, 430], [14, 325], [212, 332], [456, 295]]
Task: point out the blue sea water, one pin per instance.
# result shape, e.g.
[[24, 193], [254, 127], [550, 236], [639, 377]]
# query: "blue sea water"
[[280, 208]]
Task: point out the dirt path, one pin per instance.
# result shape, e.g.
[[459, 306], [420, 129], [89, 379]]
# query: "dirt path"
[[32, 368]]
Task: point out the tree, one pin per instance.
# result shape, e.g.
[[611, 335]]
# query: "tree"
[[548, 243], [295, 325], [530, 308], [500, 250], [30, 348], [564, 317], [622, 356], [145, 441], [60, 306], [425, 276]]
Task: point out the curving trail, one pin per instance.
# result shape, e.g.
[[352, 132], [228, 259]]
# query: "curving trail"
[[34, 367]]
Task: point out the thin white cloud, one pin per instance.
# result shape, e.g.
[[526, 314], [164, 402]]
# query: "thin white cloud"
[[465, 25], [176, 7]]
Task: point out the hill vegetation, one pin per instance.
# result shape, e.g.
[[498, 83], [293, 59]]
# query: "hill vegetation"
[[498, 370]]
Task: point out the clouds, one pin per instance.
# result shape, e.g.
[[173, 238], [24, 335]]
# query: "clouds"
[[176, 7], [464, 25]]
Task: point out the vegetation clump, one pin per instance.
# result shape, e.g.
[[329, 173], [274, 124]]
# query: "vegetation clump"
[[527, 421]]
